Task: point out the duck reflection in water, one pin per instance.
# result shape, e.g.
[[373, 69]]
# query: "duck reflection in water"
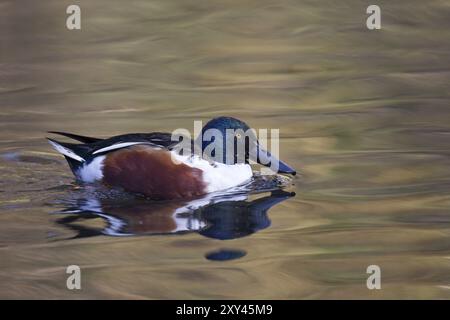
[[218, 217]]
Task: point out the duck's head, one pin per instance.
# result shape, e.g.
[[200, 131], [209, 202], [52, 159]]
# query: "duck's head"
[[230, 140]]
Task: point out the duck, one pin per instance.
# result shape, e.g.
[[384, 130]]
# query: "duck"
[[154, 165]]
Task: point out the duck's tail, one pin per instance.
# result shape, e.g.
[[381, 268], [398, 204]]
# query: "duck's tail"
[[69, 150], [77, 137], [75, 154]]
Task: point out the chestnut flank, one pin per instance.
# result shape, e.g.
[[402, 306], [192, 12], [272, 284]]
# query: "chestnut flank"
[[152, 173]]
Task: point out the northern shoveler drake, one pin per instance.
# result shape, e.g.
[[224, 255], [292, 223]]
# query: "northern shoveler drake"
[[152, 164]]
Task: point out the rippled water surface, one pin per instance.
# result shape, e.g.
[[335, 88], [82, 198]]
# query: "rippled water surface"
[[364, 116]]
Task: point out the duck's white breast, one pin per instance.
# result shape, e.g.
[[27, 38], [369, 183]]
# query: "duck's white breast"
[[217, 176]]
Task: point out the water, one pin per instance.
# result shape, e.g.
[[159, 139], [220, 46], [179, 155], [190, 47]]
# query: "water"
[[363, 116]]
